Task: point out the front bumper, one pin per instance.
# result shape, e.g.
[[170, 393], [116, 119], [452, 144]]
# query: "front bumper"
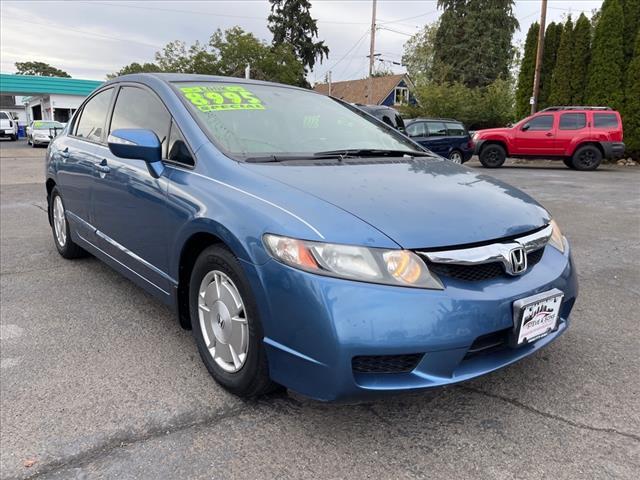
[[315, 325]]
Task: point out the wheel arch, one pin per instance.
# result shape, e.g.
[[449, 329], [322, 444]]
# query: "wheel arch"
[[199, 236], [592, 143], [50, 184], [494, 141]]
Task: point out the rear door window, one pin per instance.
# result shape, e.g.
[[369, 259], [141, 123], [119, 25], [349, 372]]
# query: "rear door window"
[[418, 129], [541, 123], [573, 121], [455, 129], [94, 116], [436, 129], [605, 120], [138, 108]]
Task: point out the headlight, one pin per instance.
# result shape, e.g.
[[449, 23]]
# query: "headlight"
[[375, 265], [557, 239]]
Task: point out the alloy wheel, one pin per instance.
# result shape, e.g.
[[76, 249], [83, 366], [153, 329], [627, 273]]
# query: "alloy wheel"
[[59, 221], [223, 321], [455, 157]]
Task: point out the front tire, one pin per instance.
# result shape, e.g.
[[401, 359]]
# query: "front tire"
[[493, 156], [586, 158], [60, 228], [226, 324]]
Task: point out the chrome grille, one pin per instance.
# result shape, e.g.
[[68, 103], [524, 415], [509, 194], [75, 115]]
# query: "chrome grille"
[[488, 261]]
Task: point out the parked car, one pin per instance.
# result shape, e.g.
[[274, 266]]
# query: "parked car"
[[40, 132], [446, 137], [8, 126], [579, 136], [386, 114], [306, 244]]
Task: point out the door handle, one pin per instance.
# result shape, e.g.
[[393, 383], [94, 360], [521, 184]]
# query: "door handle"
[[549, 134], [65, 153], [102, 167]]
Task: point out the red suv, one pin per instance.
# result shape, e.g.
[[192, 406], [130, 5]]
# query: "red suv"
[[580, 136]]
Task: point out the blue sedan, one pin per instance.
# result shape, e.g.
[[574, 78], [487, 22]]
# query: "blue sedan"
[[304, 242]]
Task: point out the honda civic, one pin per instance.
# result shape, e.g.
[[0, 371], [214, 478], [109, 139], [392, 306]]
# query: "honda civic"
[[305, 243]]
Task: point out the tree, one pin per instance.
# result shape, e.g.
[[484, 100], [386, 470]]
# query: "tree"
[[418, 57], [228, 53], [580, 59], [236, 49], [478, 107], [473, 40], [291, 23], [631, 113], [607, 64], [40, 69], [527, 71], [550, 53], [176, 57], [631, 12], [560, 93], [135, 68]]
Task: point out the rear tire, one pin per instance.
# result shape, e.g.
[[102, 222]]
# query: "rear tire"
[[588, 157], [569, 163], [226, 324], [60, 228], [456, 156], [13, 138], [493, 156]]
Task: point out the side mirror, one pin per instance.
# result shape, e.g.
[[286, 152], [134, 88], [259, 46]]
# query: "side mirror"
[[525, 127], [138, 144]]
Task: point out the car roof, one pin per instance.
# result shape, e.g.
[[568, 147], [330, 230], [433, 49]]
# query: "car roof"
[[436, 119], [150, 78], [375, 107]]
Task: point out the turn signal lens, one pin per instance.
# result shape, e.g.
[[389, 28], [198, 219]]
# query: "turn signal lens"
[[291, 251], [375, 265], [404, 266], [557, 240]]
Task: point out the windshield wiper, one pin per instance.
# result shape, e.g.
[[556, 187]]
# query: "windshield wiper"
[[338, 155], [291, 158], [373, 152]]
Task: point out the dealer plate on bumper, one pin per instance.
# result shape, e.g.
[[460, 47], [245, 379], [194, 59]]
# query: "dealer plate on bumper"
[[536, 316]]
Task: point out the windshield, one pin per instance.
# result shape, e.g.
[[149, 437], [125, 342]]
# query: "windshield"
[[248, 119], [40, 125]]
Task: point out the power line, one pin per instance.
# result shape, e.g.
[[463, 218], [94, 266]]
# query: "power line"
[[83, 32], [348, 52], [410, 18], [397, 31], [209, 14]]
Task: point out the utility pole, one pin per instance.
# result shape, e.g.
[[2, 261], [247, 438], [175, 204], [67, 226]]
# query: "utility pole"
[[540, 51], [372, 48], [247, 71]]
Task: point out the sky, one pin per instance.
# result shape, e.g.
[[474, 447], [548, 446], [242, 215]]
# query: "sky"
[[89, 39]]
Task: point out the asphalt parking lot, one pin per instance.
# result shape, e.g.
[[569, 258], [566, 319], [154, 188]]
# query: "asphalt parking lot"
[[97, 379]]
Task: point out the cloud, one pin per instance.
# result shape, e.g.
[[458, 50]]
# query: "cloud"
[[91, 39]]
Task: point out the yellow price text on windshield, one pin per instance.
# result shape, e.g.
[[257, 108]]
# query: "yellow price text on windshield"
[[214, 98]]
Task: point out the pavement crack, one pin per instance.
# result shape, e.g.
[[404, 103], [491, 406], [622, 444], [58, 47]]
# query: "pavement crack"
[[40, 207], [124, 440], [551, 416]]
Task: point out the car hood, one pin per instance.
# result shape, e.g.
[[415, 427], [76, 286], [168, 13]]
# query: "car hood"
[[490, 131], [417, 203]]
